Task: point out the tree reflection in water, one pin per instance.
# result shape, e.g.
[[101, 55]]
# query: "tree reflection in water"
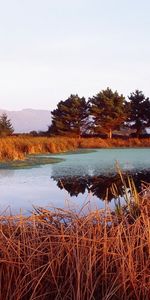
[[100, 186]]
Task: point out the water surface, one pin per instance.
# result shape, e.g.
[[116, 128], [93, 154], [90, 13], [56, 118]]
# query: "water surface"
[[67, 179]]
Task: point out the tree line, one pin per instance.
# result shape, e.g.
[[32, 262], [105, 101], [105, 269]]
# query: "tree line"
[[102, 114], [98, 116]]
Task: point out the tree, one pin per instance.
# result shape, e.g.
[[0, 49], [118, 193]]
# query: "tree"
[[69, 118], [139, 116], [107, 109], [6, 127], [33, 133]]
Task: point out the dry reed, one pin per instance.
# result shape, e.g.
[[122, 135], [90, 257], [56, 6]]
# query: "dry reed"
[[14, 148], [80, 256]]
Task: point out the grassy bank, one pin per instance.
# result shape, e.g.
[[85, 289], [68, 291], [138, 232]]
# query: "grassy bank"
[[13, 148], [65, 255]]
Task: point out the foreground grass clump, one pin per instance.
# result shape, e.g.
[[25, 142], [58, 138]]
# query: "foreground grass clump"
[[66, 255], [15, 148]]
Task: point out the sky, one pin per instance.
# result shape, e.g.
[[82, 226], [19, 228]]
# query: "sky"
[[53, 48]]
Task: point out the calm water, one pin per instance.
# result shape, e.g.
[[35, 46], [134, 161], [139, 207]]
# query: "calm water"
[[77, 178]]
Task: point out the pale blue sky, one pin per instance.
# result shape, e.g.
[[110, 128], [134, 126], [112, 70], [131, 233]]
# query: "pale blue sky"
[[50, 49]]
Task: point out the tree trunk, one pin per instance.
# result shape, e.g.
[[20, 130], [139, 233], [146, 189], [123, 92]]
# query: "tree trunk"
[[79, 134], [110, 133], [138, 132]]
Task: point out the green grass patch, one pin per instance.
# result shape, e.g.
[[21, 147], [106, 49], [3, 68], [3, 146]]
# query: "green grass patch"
[[30, 162]]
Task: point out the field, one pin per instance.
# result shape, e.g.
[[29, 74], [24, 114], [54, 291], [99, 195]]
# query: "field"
[[14, 148]]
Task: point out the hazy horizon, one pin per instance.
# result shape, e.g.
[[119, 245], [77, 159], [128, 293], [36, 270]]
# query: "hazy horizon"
[[51, 49], [24, 109]]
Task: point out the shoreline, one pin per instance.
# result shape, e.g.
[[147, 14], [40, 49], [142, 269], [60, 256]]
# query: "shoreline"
[[17, 148]]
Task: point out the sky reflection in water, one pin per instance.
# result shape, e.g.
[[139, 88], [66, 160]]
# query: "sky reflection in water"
[[79, 177]]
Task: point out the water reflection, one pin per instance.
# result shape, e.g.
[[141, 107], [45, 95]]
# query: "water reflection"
[[80, 175], [6, 173], [100, 186]]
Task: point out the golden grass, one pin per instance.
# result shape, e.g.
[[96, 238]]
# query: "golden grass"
[[66, 255], [113, 143], [13, 148]]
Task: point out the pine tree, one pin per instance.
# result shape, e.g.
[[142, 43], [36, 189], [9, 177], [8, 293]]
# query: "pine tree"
[[107, 109], [6, 127], [69, 118], [139, 116]]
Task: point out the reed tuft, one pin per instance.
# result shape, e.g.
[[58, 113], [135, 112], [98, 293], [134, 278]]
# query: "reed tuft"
[[63, 254]]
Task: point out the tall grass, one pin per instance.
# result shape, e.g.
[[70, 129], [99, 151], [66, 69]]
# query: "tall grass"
[[13, 148], [80, 256]]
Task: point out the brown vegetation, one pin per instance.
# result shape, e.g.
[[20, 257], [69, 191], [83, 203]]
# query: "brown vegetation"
[[13, 148], [67, 255]]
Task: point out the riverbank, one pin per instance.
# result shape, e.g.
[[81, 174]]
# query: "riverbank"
[[16, 148], [65, 255]]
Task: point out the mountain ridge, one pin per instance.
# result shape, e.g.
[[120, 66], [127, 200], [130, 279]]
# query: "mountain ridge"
[[28, 119]]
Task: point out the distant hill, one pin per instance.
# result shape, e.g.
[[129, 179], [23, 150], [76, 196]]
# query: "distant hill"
[[27, 120]]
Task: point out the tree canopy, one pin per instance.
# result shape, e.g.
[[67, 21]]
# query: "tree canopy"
[[107, 109], [139, 111], [69, 116], [101, 114], [6, 127]]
